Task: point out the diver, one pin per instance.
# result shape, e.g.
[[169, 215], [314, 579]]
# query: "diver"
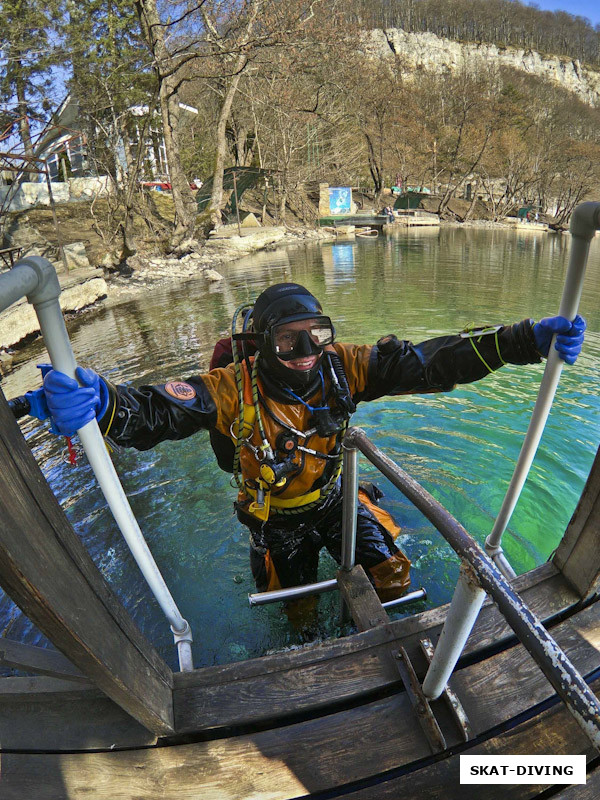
[[278, 413]]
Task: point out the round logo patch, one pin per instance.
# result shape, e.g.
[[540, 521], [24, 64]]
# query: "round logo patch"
[[180, 390]]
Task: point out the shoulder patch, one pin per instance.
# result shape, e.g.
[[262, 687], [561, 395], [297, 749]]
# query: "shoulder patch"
[[180, 390]]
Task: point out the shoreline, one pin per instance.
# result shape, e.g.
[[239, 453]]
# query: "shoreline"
[[93, 290], [226, 248], [86, 291], [216, 253]]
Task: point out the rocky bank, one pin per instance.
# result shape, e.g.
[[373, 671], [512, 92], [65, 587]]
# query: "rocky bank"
[[85, 286], [426, 51]]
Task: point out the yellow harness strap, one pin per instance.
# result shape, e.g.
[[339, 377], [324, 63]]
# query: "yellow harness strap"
[[289, 502]]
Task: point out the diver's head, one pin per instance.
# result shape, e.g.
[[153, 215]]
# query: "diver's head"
[[294, 333]]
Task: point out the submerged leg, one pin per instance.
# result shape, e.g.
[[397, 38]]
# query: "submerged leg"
[[385, 564], [284, 558]]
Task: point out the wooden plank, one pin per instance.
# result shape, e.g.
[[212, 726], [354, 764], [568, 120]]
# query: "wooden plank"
[[554, 732], [53, 714], [348, 669], [23, 689], [319, 681], [306, 680], [46, 570], [37, 659], [286, 762], [589, 791], [361, 598], [367, 746], [578, 554], [303, 680]]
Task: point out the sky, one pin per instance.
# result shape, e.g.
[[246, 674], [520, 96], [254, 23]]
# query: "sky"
[[579, 8]]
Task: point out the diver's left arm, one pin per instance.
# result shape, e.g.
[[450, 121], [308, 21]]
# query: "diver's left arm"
[[439, 364]]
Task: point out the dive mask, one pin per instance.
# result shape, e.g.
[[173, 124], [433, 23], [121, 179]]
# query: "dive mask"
[[290, 340]]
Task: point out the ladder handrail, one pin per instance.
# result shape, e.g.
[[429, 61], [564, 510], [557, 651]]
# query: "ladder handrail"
[[35, 278], [554, 663], [585, 221]]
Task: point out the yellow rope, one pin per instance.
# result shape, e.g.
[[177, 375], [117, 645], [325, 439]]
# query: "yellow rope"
[[480, 356]]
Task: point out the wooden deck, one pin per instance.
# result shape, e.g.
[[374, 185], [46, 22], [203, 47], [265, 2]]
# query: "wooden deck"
[[331, 718]]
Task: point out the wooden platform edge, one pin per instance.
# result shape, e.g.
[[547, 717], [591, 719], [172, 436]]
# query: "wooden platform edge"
[[38, 660], [44, 566], [578, 554]]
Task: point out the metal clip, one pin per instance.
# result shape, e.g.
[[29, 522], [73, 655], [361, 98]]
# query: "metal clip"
[[261, 507]]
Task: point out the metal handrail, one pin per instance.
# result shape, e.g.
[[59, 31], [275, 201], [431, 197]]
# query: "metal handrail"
[[348, 550], [479, 576], [585, 221], [35, 278]]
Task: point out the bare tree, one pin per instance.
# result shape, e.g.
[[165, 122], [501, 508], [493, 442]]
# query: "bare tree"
[[167, 66]]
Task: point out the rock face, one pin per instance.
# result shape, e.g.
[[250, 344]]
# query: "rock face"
[[429, 52], [30, 239]]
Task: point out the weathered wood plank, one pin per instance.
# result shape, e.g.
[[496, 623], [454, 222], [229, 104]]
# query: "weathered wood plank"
[[46, 570], [361, 598], [366, 746], [348, 669], [317, 676], [286, 762], [591, 790], [578, 554], [37, 659], [554, 732], [53, 714]]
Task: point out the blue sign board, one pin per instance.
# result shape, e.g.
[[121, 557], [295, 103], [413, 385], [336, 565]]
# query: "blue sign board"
[[340, 199]]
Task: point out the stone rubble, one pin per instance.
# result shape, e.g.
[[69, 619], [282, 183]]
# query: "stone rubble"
[[202, 260]]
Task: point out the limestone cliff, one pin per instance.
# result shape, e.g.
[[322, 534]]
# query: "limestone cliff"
[[430, 52]]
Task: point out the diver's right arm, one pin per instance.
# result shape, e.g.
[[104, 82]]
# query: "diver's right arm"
[[139, 418]]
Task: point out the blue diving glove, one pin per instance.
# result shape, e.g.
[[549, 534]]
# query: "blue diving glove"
[[72, 406], [38, 407], [569, 336]]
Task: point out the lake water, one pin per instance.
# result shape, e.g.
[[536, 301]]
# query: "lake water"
[[462, 446]]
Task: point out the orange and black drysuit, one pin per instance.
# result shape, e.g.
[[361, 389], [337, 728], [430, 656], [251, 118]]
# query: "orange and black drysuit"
[[304, 511]]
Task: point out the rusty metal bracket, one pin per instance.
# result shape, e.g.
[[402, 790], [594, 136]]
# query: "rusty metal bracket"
[[419, 702], [456, 708]]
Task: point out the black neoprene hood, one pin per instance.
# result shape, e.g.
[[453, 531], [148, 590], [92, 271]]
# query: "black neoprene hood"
[[284, 302]]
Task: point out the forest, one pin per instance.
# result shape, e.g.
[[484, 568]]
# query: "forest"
[[287, 86]]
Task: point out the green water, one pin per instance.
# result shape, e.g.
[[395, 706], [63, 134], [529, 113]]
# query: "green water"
[[461, 446]]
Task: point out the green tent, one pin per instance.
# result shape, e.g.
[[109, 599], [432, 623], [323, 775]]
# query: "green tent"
[[246, 178], [409, 200], [522, 212]]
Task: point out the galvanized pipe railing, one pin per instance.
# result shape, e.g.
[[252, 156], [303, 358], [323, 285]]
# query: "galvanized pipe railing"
[[349, 504], [348, 549], [36, 279], [483, 576], [585, 221]]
